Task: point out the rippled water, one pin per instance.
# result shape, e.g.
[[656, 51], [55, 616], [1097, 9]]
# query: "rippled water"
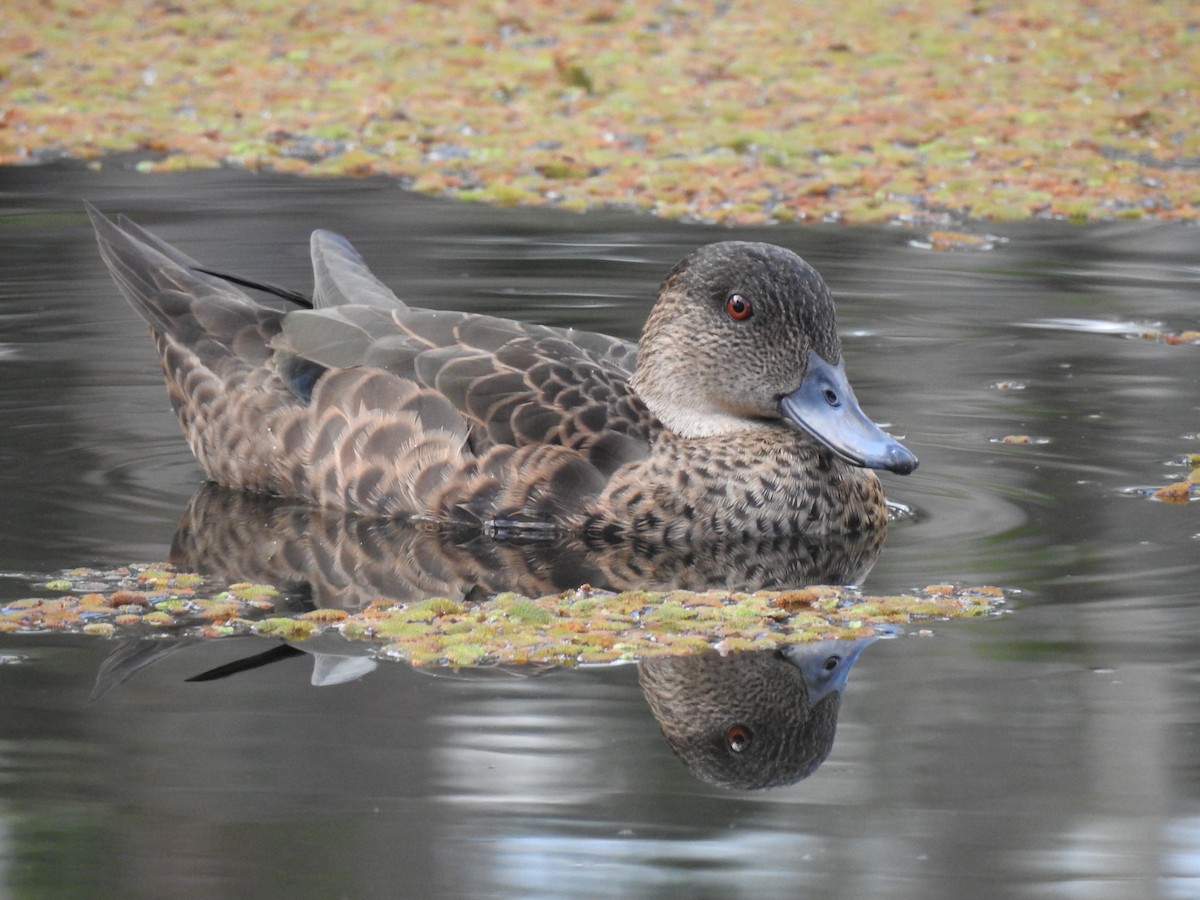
[[1052, 752]]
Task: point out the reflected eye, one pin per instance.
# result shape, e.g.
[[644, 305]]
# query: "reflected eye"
[[738, 307], [738, 738], [832, 663]]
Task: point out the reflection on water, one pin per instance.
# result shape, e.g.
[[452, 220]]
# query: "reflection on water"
[[751, 720], [742, 720], [1050, 752], [748, 720], [345, 562]]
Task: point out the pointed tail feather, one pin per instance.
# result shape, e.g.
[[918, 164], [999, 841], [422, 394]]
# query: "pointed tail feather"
[[341, 276], [206, 314]]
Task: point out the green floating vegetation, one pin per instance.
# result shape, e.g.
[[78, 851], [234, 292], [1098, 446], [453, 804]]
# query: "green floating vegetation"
[[854, 112], [584, 625]]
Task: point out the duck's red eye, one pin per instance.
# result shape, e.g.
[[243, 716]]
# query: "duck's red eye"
[[738, 738], [738, 307]]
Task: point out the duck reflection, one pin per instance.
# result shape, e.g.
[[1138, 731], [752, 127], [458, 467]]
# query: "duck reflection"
[[345, 561], [745, 720], [751, 720]]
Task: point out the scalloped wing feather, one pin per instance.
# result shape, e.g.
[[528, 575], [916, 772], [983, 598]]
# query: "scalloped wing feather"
[[516, 383]]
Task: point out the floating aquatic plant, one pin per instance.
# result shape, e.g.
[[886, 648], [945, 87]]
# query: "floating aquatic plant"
[[930, 112], [585, 625]]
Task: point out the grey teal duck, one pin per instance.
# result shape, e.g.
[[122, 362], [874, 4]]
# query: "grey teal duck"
[[732, 417]]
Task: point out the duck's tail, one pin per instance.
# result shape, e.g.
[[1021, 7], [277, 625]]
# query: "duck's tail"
[[178, 298], [215, 345]]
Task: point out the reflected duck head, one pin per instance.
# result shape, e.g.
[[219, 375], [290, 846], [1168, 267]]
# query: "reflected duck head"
[[751, 720], [743, 337]]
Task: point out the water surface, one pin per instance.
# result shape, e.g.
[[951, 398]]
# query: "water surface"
[[1051, 752]]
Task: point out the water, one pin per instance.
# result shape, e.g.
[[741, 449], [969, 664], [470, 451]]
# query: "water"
[[1052, 752]]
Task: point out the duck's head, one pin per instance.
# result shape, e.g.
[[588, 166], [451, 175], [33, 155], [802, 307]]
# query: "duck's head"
[[743, 337]]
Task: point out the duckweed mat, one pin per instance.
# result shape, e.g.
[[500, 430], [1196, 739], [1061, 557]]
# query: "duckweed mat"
[[733, 112], [584, 625]]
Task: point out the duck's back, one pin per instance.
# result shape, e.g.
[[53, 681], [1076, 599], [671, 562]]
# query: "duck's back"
[[366, 404]]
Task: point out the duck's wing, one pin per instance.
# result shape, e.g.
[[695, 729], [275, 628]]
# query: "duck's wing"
[[516, 384]]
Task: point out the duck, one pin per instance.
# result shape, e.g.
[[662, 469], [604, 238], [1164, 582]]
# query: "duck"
[[731, 418]]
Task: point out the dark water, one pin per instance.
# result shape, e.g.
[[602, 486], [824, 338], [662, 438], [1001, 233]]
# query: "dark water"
[[1054, 752]]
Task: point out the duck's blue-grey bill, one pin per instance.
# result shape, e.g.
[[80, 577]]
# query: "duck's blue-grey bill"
[[825, 406], [825, 664]]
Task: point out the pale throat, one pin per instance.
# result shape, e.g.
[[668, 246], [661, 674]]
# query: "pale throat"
[[707, 423], [689, 415]]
